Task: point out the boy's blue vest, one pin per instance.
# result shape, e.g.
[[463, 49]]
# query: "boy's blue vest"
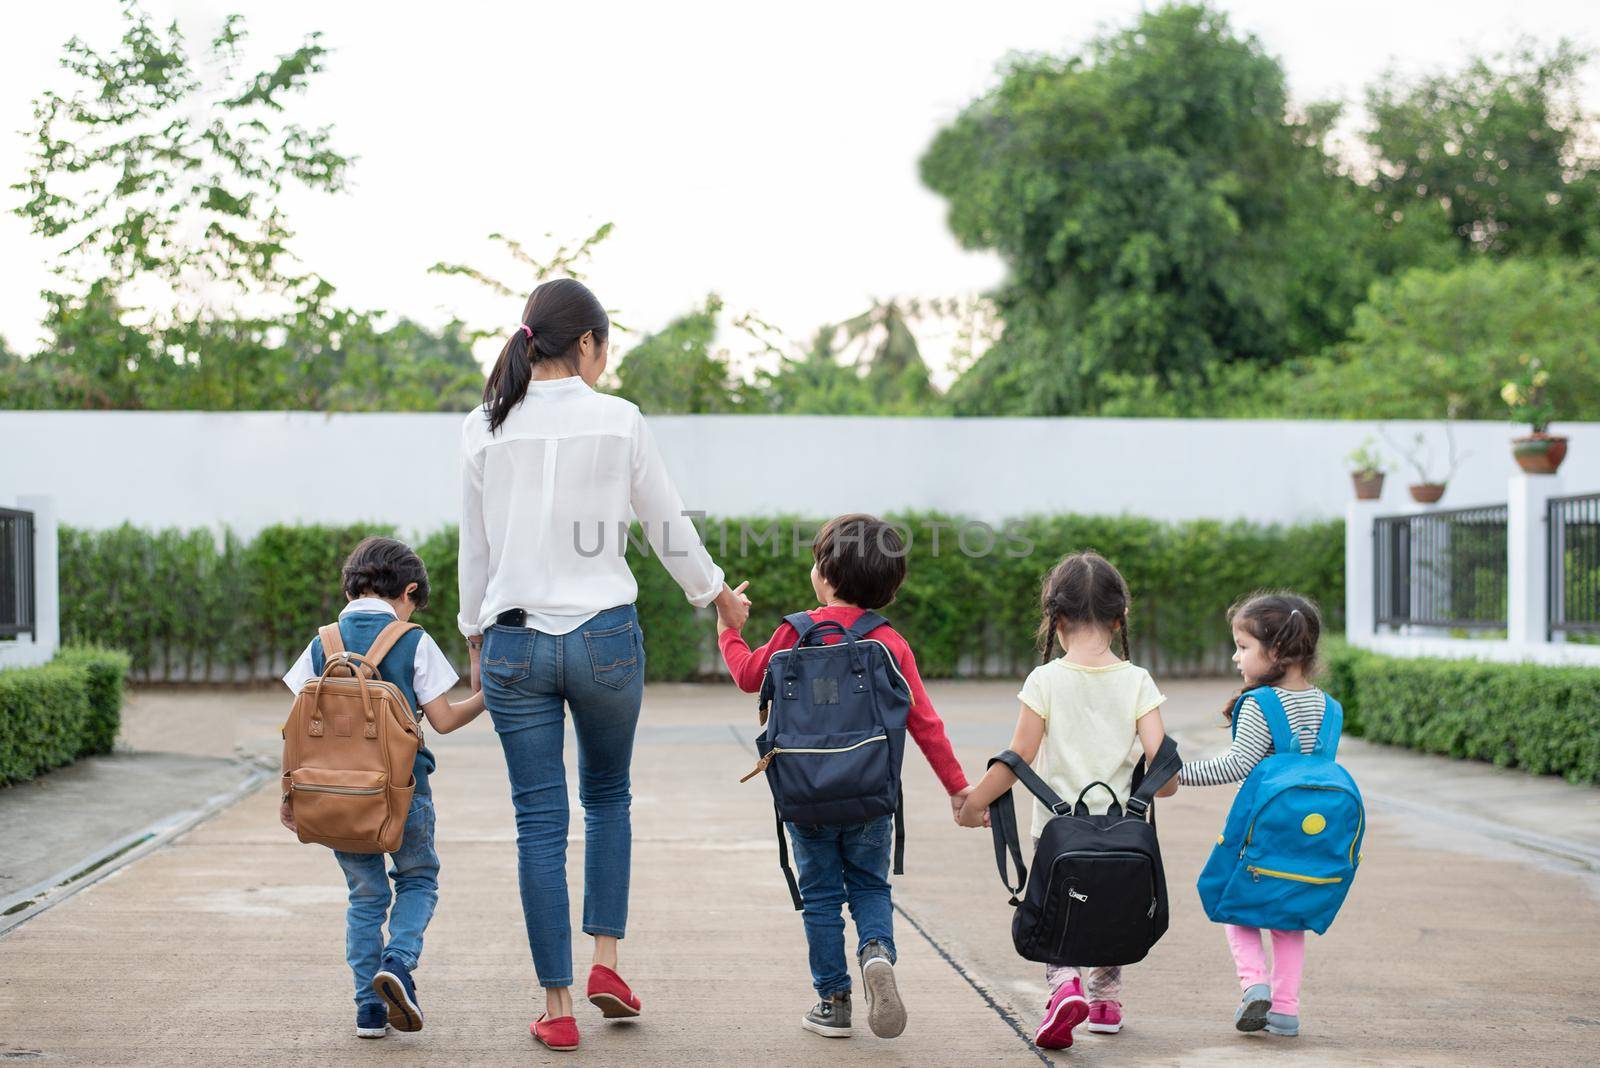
[[358, 630], [1292, 843]]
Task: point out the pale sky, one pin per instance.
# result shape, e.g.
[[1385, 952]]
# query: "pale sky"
[[764, 152]]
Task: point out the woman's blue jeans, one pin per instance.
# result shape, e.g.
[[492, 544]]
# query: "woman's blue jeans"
[[529, 679]]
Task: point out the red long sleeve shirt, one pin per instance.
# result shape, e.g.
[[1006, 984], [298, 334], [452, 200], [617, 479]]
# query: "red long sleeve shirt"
[[748, 667]]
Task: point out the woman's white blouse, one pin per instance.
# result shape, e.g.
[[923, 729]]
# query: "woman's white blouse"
[[546, 504]]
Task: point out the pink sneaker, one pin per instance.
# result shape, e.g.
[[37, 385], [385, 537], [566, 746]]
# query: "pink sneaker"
[[1067, 1009], [1105, 1017]]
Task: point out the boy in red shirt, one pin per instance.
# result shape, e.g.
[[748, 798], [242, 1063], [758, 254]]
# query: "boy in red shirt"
[[859, 566]]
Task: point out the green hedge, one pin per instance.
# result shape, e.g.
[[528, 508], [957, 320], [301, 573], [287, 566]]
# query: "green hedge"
[[187, 605], [55, 713], [1545, 720]]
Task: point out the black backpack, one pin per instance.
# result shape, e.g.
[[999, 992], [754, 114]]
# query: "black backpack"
[[1098, 896], [835, 718]]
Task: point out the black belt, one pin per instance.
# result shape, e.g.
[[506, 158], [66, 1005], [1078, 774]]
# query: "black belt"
[[511, 617]]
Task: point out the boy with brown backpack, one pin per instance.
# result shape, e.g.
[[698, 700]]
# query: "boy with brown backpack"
[[355, 769]]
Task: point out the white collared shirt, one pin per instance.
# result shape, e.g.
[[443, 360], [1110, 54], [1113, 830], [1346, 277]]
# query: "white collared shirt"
[[431, 673], [545, 507]]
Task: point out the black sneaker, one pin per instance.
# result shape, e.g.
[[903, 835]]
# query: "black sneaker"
[[372, 1021], [886, 1013], [395, 986], [830, 1017]]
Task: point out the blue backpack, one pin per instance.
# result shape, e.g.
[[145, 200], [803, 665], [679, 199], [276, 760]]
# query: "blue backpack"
[[835, 718], [1292, 843]]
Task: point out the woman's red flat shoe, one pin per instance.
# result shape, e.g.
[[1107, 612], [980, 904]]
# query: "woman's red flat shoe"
[[560, 1034], [611, 995]]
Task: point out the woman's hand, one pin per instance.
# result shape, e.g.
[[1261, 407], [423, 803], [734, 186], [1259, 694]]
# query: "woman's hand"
[[286, 815], [733, 607], [475, 654]]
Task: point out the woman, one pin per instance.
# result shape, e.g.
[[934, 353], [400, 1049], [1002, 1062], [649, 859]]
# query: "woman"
[[553, 471]]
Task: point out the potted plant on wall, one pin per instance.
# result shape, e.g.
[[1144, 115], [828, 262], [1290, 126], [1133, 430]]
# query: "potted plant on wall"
[[1367, 470], [1429, 488], [1538, 453]]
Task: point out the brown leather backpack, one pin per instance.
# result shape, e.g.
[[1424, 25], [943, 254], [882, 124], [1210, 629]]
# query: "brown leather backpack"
[[348, 749]]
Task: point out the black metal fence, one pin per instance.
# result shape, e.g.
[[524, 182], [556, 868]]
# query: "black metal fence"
[[1441, 569], [1573, 589], [16, 573]]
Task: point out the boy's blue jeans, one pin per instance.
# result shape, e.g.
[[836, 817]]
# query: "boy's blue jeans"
[[835, 865], [415, 871], [530, 680]]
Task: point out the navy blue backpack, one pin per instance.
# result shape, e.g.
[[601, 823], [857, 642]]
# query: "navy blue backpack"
[[1292, 843], [835, 716]]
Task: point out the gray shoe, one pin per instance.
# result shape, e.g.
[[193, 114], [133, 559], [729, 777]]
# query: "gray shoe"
[[886, 1013], [1253, 1008], [830, 1017], [1282, 1024]]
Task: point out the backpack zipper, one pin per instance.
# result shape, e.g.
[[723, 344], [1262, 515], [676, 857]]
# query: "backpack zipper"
[[1315, 880], [761, 765], [356, 791]]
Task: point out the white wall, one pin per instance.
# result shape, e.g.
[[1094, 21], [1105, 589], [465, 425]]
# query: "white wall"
[[249, 470]]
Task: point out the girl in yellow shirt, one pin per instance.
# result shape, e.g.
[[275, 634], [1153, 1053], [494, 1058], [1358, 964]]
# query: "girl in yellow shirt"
[[1082, 715]]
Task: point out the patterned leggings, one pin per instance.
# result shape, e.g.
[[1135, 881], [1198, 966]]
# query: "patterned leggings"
[[1099, 984]]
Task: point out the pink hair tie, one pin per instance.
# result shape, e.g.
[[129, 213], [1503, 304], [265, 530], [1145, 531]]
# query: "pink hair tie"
[[526, 329]]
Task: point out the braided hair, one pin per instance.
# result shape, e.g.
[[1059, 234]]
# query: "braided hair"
[[1287, 625], [1083, 588]]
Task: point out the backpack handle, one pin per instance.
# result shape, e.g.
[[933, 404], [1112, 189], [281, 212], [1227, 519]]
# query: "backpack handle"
[[805, 627], [1081, 809]]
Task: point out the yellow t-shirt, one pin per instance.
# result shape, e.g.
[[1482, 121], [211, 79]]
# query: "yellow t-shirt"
[[1089, 734]]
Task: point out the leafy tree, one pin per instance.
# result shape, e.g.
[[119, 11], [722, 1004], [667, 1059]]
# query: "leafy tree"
[[1157, 211], [147, 171], [1433, 343], [677, 369], [1492, 154]]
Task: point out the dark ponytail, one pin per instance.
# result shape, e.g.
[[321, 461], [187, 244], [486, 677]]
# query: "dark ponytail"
[[554, 320], [1287, 625]]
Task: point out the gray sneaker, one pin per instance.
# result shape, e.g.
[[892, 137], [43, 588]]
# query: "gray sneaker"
[[830, 1017], [1279, 1023], [886, 1013], [1253, 1008]]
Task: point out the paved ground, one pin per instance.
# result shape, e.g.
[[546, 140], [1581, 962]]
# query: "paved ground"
[[1468, 938]]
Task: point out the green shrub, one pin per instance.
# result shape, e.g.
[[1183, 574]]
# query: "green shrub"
[[1545, 720], [188, 606], [54, 713], [105, 670]]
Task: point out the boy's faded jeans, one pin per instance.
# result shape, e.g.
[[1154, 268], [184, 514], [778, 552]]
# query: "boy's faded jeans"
[[415, 872], [835, 865]]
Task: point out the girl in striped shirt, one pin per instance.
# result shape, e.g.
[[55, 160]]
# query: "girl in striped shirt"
[[1275, 644]]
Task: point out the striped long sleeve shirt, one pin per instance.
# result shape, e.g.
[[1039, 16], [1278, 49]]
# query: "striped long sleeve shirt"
[[1252, 742]]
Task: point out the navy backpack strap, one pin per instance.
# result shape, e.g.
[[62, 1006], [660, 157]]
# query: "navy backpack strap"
[[1283, 736], [801, 622], [900, 833], [1332, 727], [869, 622], [783, 861]]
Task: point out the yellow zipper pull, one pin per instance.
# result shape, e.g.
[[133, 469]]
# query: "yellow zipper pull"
[[761, 765]]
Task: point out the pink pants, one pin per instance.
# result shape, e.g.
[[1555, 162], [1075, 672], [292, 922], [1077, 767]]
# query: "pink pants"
[[1288, 957]]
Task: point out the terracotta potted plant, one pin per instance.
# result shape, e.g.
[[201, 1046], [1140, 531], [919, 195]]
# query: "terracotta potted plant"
[[1429, 488], [1538, 453], [1367, 470]]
